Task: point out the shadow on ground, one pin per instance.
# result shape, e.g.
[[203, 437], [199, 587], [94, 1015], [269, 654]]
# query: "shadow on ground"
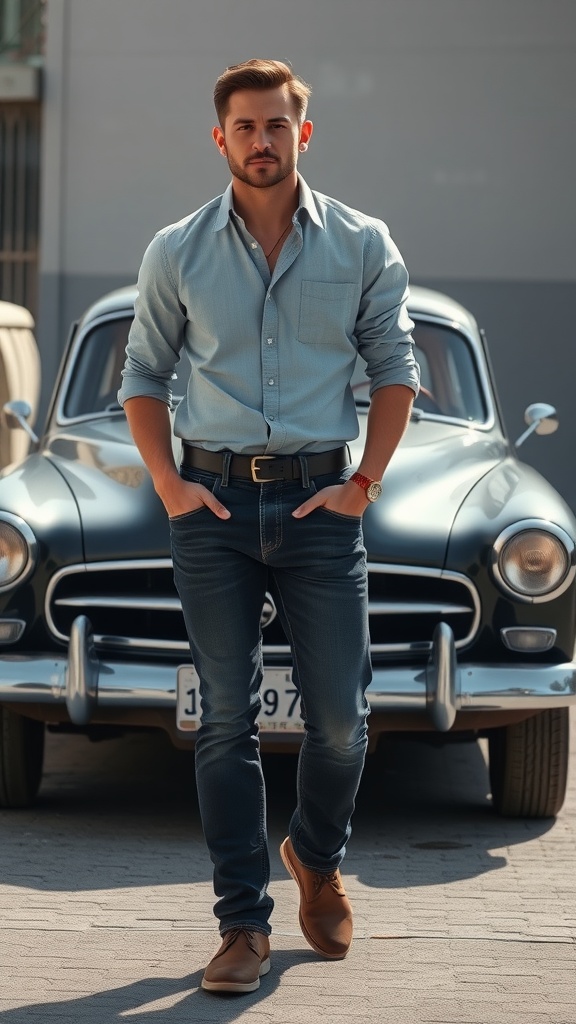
[[419, 803]]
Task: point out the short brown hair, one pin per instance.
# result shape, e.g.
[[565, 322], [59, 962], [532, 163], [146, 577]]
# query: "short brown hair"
[[260, 74]]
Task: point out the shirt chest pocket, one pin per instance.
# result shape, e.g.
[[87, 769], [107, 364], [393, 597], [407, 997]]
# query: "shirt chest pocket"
[[327, 312]]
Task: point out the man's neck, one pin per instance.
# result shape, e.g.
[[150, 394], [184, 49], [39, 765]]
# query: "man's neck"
[[266, 209]]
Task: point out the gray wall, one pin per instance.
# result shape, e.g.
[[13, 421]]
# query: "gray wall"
[[453, 120]]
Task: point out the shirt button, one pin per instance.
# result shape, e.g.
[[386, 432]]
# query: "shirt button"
[[270, 417], [270, 340], [271, 381], [253, 245]]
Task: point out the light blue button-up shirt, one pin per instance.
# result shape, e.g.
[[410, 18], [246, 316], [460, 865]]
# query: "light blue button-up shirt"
[[271, 355]]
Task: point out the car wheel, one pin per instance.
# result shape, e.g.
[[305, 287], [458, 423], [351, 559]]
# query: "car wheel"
[[21, 758], [529, 765]]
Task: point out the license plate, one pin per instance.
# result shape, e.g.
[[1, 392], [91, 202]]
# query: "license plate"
[[280, 711]]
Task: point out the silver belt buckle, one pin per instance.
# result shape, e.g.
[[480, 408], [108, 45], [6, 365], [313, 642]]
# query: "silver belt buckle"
[[254, 469]]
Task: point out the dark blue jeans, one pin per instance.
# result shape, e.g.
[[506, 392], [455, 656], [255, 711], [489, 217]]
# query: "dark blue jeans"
[[316, 570]]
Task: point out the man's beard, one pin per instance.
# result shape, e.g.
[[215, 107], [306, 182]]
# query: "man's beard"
[[273, 174]]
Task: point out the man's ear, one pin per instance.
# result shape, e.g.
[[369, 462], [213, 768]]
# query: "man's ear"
[[218, 136], [305, 135]]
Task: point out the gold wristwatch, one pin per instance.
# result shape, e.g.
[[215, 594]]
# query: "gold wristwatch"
[[372, 488]]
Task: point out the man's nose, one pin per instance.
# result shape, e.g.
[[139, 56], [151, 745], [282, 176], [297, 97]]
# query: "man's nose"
[[261, 142]]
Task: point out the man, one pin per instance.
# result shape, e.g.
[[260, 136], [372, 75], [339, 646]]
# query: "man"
[[271, 290]]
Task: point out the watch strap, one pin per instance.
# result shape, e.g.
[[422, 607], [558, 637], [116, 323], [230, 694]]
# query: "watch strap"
[[362, 481]]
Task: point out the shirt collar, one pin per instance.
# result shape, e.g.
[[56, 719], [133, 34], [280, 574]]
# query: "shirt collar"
[[307, 202]]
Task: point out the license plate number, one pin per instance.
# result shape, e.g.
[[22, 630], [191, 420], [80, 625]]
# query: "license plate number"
[[280, 711]]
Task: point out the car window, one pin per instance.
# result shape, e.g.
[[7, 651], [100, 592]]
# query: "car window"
[[97, 369], [450, 383]]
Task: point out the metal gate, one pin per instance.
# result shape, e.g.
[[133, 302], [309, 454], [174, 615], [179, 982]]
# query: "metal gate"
[[19, 202]]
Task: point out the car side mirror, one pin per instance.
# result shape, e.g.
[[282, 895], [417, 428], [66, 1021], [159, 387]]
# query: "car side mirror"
[[541, 419], [17, 414]]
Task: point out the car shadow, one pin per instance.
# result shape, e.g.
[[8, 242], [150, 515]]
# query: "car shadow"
[[424, 814], [421, 806]]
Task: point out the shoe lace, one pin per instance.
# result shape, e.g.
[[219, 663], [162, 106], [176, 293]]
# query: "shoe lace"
[[333, 879], [229, 938]]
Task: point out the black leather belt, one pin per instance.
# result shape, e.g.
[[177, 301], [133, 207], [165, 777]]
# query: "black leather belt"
[[262, 469]]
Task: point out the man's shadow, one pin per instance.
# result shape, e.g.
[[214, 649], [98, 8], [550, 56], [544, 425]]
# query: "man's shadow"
[[177, 1000]]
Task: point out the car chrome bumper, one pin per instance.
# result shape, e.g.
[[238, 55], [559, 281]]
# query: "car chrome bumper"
[[82, 682]]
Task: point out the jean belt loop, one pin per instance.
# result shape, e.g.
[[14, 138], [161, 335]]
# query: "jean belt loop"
[[226, 460], [304, 470]]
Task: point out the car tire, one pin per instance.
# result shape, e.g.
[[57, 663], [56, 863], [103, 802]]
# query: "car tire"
[[21, 758], [529, 765]]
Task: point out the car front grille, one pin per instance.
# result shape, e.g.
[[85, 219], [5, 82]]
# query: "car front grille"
[[134, 605]]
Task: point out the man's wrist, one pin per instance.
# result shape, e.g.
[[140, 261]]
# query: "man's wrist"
[[372, 488], [165, 479]]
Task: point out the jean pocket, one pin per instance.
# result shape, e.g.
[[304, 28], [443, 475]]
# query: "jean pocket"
[[188, 515], [326, 481], [339, 515]]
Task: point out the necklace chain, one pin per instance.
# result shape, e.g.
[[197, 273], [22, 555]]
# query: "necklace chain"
[[267, 255]]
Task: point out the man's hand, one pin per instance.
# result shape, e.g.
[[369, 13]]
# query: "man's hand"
[[184, 496], [387, 420], [149, 422], [347, 499]]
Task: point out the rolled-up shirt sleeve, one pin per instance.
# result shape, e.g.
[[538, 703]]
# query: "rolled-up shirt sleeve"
[[383, 328], [157, 332]]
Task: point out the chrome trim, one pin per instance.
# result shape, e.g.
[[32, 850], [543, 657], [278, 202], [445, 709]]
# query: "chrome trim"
[[173, 604], [388, 569], [141, 643], [19, 524], [441, 679], [547, 633], [88, 567], [159, 604], [495, 687], [82, 673], [523, 526], [42, 680], [15, 622], [425, 608]]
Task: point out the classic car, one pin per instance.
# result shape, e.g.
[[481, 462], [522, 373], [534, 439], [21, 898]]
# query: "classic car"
[[471, 559]]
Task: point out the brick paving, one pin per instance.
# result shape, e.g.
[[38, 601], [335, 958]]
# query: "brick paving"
[[461, 917]]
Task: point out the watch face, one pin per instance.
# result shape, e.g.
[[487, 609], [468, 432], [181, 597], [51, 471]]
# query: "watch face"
[[373, 491]]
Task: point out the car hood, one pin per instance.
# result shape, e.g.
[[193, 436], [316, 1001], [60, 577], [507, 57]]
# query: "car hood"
[[122, 517], [36, 492], [428, 479]]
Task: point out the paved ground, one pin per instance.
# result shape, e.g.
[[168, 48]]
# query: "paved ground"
[[105, 899]]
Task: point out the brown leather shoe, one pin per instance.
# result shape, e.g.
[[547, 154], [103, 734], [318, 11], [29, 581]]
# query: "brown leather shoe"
[[242, 959], [325, 911]]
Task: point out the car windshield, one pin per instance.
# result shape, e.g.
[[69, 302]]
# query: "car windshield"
[[450, 381]]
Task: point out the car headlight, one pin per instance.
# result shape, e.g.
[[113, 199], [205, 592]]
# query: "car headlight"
[[17, 549], [534, 561]]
